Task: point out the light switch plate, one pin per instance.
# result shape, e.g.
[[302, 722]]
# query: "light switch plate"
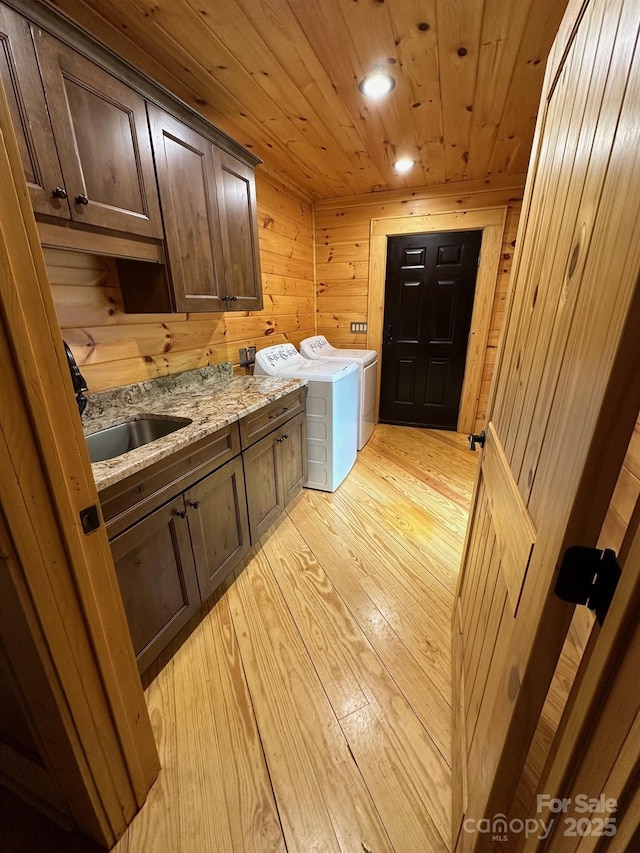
[[358, 328]]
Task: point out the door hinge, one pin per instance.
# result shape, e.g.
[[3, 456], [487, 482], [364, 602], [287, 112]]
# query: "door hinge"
[[588, 576]]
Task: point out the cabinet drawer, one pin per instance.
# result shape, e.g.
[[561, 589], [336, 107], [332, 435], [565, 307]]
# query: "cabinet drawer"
[[260, 423], [125, 502]]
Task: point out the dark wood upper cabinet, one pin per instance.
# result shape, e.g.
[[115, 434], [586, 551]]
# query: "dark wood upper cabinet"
[[22, 84], [89, 128], [238, 226], [103, 143], [187, 183], [209, 210]]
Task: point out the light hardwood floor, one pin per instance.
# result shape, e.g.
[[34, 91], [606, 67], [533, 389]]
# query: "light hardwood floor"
[[310, 708]]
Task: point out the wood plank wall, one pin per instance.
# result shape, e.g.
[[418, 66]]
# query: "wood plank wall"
[[114, 348], [342, 253]]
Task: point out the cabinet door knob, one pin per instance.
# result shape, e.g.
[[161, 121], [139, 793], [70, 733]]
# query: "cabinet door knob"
[[194, 504], [224, 299], [59, 192], [180, 513], [233, 299], [82, 199]]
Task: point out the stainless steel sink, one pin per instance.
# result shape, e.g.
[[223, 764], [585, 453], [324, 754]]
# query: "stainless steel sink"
[[115, 440]]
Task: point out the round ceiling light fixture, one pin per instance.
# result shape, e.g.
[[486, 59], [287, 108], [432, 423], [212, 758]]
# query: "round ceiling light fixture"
[[403, 165], [377, 85]]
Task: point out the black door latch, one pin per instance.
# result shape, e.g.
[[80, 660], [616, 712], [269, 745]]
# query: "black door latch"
[[588, 576], [476, 438]]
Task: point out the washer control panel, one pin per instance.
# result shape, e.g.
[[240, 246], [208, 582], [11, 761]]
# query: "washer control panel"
[[276, 358], [315, 347]]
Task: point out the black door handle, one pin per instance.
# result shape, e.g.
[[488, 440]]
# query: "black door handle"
[[389, 332]]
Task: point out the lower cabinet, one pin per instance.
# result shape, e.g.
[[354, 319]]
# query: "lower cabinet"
[[181, 526], [217, 515], [157, 576], [171, 561], [275, 470]]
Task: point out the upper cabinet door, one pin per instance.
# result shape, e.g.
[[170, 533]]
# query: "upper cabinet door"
[[21, 80], [186, 177], [239, 228], [101, 133]]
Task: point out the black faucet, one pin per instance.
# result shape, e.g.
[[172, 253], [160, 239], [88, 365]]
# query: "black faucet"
[[79, 384]]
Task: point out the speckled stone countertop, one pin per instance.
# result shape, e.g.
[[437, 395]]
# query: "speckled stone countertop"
[[211, 397]]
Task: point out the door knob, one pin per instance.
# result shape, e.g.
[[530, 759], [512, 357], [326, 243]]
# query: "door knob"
[[59, 192], [180, 513], [389, 332], [194, 504], [477, 438], [82, 199]]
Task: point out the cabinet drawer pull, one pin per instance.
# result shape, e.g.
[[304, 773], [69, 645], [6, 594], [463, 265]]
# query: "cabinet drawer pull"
[[82, 199], [59, 192], [194, 504], [282, 437], [277, 414], [180, 513]]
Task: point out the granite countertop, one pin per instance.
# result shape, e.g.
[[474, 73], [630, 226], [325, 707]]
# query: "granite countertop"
[[210, 397]]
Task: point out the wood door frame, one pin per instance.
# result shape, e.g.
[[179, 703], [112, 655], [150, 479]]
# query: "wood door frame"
[[65, 631], [491, 221]]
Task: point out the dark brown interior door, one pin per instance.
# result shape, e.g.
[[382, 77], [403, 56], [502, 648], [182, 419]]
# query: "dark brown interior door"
[[429, 291]]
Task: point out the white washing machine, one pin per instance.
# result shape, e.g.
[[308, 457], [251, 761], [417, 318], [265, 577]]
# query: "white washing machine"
[[332, 410], [367, 360]]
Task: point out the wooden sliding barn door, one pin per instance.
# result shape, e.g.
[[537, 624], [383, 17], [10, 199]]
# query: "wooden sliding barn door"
[[562, 408]]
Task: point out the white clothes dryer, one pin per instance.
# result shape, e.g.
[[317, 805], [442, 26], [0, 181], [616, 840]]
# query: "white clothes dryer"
[[367, 360], [332, 410]]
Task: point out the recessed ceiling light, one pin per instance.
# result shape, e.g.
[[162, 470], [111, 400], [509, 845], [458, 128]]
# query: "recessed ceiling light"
[[376, 85], [404, 164]]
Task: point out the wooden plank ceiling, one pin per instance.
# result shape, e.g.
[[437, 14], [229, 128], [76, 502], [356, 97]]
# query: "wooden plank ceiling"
[[281, 77]]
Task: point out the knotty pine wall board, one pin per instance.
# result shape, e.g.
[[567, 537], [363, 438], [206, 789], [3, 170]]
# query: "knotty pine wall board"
[[342, 228], [114, 348]]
